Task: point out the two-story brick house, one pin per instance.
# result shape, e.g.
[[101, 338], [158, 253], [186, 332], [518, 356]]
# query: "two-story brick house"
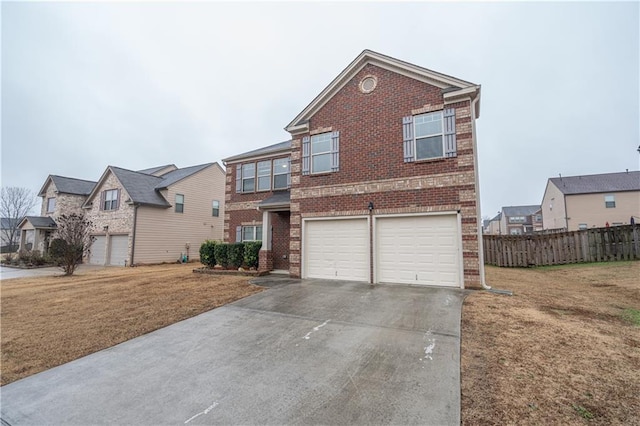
[[378, 182]]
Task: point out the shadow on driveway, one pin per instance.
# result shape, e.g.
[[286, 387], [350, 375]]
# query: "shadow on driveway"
[[304, 352]]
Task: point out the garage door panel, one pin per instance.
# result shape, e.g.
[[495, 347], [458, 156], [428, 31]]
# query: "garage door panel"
[[119, 249], [97, 252], [337, 249], [418, 250]]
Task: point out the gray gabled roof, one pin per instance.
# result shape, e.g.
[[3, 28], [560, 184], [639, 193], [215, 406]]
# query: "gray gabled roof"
[[153, 170], [511, 211], [281, 146], [67, 185], [39, 222], [590, 184], [141, 187], [179, 174]]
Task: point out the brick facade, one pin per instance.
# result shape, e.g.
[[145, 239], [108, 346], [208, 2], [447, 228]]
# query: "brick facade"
[[372, 166]]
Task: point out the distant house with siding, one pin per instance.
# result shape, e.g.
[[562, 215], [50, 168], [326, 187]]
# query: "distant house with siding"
[[582, 202]]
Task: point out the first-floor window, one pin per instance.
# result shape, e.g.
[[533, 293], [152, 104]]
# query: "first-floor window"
[[179, 203], [516, 231], [583, 226], [215, 208], [252, 233], [51, 205], [110, 199], [609, 201]]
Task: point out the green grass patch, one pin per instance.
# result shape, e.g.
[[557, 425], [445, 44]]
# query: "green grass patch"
[[584, 413], [632, 316]]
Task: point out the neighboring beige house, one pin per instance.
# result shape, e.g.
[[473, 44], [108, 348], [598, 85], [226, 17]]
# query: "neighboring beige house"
[[156, 215], [149, 216], [494, 226], [582, 202], [60, 195]]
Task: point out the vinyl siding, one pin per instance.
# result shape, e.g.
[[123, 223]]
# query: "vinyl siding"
[[590, 209], [161, 234], [553, 208]]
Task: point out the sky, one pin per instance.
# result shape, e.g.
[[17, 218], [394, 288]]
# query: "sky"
[[141, 84]]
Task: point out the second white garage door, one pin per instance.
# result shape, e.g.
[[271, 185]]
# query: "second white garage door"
[[337, 249], [418, 250], [119, 249]]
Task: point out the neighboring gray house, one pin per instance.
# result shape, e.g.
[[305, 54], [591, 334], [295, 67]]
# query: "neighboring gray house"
[[518, 220]]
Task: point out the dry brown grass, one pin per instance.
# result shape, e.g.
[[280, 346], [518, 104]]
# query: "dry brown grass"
[[556, 352], [47, 321]]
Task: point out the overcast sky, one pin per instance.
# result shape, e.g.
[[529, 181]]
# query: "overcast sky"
[[86, 85]]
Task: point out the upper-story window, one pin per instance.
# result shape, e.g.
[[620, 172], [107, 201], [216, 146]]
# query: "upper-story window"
[[282, 173], [110, 199], [321, 153], [51, 205], [179, 203], [609, 201], [264, 175], [270, 175], [429, 136], [215, 208], [517, 219]]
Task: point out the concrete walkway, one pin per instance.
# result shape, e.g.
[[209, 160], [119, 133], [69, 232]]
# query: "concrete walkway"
[[304, 352]]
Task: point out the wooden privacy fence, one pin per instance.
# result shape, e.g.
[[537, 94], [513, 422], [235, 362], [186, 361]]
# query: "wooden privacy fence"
[[591, 245]]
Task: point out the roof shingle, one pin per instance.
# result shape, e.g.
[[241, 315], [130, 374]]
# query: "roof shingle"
[[607, 182]]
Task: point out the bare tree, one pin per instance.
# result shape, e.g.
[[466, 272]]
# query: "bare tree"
[[72, 240], [15, 204]]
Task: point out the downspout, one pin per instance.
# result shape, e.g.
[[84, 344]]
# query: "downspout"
[[133, 233], [479, 215]]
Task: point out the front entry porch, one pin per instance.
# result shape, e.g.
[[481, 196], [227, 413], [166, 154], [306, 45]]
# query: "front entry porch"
[[274, 254]]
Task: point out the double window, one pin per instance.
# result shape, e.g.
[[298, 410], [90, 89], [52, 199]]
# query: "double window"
[[610, 201], [517, 219], [264, 175], [429, 136], [110, 199], [249, 233], [51, 205], [179, 203]]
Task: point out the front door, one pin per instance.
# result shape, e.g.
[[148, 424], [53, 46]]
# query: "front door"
[[280, 239]]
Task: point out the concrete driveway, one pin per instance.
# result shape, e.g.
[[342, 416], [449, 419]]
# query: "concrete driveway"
[[308, 352]]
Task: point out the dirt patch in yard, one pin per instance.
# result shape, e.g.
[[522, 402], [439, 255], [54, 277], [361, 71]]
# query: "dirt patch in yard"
[[48, 321], [563, 349]]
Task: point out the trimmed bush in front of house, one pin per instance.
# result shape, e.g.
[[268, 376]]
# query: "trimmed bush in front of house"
[[208, 253], [230, 255], [222, 256], [251, 253], [236, 255]]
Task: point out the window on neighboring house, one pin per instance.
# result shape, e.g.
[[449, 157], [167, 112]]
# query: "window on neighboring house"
[[538, 218], [583, 226], [51, 205], [517, 219], [249, 233], [110, 199], [516, 231], [431, 135], [282, 173], [179, 203], [215, 208], [609, 201], [321, 153], [617, 224], [264, 175]]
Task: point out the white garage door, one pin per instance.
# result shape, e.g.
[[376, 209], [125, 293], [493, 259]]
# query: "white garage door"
[[418, 250], [119, 249], [96, 257], [337, 249]]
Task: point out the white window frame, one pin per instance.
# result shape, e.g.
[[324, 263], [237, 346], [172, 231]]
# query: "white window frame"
[[51, 205], [263, 176], [610, 201], [517, 219], [179, 207], [247, 178], [110, 199], [256, 233], [416, 138], [312, 154], [287, 166], [215, 208], [583, 226]]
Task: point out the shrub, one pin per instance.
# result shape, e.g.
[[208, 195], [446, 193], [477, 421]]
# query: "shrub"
[[208, 253], [222, 258], [236, 254], [251, 253]]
